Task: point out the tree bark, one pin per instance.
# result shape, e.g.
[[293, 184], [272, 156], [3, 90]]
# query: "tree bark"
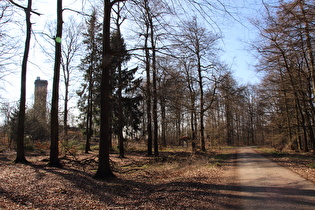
[[120, 86], [120, 115], [20, 153], [89, 114], [163, 122], [104, 170], [202, 135], [148, 88], [66, 74], [54, 147], [155, 115], [92, 33]]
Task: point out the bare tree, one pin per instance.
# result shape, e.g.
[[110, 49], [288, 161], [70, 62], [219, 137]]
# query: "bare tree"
[[7, 46], [71, 45], [148, 77], [142, 19], [20, 158], [190, 80], [6, 111], [288, 54], [199, 45]]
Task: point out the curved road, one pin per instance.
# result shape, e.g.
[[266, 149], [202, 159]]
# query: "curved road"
[[263, 184]]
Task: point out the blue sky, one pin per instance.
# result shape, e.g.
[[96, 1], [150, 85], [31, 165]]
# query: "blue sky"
[[239, 34]]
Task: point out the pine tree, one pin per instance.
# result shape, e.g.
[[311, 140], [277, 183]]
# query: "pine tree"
[[91, 66], [124, 87]]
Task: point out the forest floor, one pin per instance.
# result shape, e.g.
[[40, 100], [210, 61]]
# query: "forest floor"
[[175, 180]]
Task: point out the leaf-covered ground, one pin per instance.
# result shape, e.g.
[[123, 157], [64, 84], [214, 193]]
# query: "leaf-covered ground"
[[176, 180]]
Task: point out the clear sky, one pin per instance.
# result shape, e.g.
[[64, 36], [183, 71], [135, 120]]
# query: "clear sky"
[[239, 34], [236, 30]]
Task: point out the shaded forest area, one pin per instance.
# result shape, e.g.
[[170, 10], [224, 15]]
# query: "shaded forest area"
[[165, 86], [175, 180]]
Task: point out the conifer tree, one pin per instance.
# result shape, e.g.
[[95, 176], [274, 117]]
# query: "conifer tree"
[[126, 97], [91, 66]]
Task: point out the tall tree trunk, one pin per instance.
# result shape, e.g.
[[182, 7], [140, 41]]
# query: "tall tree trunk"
[[229, 121], [54, 147], [148, 89], [192, 106], [192, 118], [65, 112], [163, 121], [202, 128], [288, 116], [120, 85], [104, 170], [89, 114], [120, 115], [91, 33], [298, 130], [155, 115], [20, 155]]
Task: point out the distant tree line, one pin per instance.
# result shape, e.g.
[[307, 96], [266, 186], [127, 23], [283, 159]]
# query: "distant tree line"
[[286, 94]]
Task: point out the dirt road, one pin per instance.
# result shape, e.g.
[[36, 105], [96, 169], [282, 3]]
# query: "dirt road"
[[263, 184]]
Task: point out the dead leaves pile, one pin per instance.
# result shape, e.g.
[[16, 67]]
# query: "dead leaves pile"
[[175, 181]]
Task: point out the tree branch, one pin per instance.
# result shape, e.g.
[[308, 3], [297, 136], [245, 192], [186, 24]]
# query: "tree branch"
[[80, 13], [115, 1], [24, 8]]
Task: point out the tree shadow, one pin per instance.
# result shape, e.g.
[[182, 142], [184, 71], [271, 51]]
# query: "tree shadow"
[[124, 193], [136, 193]]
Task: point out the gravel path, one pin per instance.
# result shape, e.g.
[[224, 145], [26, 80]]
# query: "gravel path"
[[263, 184]]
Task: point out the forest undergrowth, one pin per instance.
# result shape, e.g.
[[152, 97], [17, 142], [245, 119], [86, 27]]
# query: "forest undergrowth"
[[175, 180]]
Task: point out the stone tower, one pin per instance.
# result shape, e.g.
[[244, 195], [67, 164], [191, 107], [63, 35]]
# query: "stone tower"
[[40, 94]]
